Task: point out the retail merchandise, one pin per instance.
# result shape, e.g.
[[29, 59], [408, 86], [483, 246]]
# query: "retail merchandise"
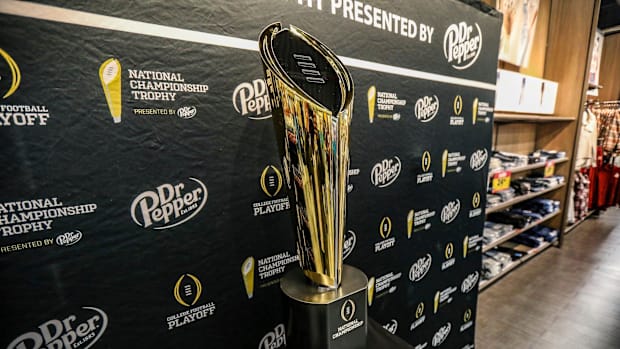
[[580, 197], [494, 231], [499, 259], [598, 160], [523, 186], [493, 262], [505, 161], [536, 161], [528, 213]]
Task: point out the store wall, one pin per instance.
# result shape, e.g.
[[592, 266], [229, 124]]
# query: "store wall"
[[610, 69], [143, 203]]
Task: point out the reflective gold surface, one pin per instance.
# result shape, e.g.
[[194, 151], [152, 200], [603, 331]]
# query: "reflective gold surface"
[[444, 163], [313, 142], [295, 287]]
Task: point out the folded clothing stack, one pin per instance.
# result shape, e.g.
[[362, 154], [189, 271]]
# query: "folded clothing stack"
[[501, 160], [507, 194], [545, 155], [507, 217], [499, 197], [493, 231], [535, 184], [541, 206], [493, 200], [532, 238], [523, 186], [495, 165], [510, 160], [532, 215], [548, 234], [527, 240], [514, 254], [503, 222], [493, 262]]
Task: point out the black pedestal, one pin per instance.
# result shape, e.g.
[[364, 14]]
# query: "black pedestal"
[[330, 319]]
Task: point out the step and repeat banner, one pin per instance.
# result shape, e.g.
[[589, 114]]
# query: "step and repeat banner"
[[142, 199]]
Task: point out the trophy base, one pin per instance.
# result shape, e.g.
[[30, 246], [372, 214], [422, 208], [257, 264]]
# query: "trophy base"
[[326, 318]]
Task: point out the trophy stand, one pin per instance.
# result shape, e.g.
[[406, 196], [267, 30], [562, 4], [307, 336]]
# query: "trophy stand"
[[326, 318]]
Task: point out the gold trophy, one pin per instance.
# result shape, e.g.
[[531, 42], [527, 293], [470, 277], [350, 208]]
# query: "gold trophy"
[[311, 94], [444, 163], [372, 99], [410, 224], [110, 76], [247, 271]]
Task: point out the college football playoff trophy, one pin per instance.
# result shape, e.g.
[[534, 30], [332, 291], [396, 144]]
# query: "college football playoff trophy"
[[311, 94]]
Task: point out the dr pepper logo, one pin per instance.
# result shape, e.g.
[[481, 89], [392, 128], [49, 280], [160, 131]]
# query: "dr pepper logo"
[[251, 100], [426, 108], [169, 204], [384, 173], [82, 329], [462, 44]]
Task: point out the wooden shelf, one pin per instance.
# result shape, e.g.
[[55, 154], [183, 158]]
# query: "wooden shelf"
[[513, 117], [510, 267], [522, 198], [545, 245], [576, 224], [528, 167], [518, 231]]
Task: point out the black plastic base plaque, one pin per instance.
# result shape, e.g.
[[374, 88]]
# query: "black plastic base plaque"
[[326, 319]]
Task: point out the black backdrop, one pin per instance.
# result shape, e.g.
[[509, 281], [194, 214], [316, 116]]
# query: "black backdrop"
[[86, 254]]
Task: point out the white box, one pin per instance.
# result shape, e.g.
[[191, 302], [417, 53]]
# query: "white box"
[[519, 93]]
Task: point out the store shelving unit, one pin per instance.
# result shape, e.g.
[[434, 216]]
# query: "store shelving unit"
[[560, 52]]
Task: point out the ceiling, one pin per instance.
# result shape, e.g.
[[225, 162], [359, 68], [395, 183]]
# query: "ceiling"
[[609, 16]]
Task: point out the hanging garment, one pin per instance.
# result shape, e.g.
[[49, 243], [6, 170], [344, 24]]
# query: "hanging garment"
[[604, 178], [608, 129], [586, 151], [581, 195], [593, 174], [570, 215]]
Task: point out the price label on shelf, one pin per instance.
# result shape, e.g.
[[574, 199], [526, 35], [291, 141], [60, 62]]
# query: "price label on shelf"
[[549, 169], [500, 181]]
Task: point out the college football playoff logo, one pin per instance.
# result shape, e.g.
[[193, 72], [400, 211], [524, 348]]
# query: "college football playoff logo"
[[187, 290], [16, 76], [348, 310], [271, 181], [457, 106]]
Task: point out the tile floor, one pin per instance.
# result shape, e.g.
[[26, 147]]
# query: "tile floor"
[[564, 298]]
